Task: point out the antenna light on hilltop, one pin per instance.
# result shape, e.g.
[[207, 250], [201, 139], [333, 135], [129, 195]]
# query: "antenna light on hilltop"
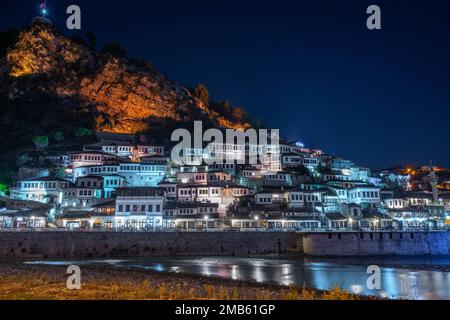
[[43, 7]]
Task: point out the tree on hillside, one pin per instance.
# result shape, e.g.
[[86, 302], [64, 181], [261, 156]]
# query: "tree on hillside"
[[256, 123], [79, 40], [323, 169], [239, 115], [58, 136], [223, 107], [22, 159], [301, 170], [40, 142], [91, 40], [142, 63], [83, 132], [58, 172], [4, 189], [114, 49], [142, 138], [201, 92]]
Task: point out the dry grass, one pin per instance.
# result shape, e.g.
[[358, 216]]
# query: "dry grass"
[[49, 283]]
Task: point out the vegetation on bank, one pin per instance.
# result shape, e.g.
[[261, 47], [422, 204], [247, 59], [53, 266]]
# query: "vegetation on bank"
[[42, 283]]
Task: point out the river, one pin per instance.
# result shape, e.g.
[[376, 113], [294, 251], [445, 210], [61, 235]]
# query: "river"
[[400, 278]]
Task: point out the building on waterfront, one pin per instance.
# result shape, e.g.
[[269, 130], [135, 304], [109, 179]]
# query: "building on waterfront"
[[26, 218], [191, 216], [99, 216], [139, 208], [274, 215], [360, 220]]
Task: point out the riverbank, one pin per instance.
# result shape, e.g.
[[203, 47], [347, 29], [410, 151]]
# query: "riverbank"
[[37, 282]]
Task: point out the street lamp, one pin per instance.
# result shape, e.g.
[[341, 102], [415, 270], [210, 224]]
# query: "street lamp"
[[375, 224], [257, 222], [206, 222]]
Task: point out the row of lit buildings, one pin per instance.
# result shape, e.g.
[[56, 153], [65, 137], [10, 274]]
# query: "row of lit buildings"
[[116, 185]]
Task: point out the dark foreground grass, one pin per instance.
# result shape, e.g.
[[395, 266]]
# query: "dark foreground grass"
[[32, 282]]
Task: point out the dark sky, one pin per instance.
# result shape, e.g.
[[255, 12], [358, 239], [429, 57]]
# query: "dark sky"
[[310, 68]]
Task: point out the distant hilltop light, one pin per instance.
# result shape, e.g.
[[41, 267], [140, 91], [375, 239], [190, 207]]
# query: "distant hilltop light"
[[43, 6]]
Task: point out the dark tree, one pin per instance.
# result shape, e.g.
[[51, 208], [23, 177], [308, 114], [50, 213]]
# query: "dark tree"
[[142, 63], [114, 49], [91, 40], [58, 136], [239, 115], [256, 123], [79, 40], [201, 92], [223, 107]]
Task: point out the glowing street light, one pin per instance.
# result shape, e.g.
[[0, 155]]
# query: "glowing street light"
[[206, 222], [375, 223]]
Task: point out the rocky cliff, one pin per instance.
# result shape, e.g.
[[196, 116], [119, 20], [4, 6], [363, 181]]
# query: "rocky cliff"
[[126, 97]]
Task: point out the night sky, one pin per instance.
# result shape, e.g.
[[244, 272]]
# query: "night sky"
[[310, 68]]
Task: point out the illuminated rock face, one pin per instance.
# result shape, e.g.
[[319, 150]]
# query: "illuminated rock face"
[[40, 50], [127, 96]]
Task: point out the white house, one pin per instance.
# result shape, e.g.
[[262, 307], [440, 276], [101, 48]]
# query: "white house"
[[141, 174], [295, 198], [191, 215], [125, 149], [45, 190], [200, 193], [90, 158], [367, 195], [139, 208]]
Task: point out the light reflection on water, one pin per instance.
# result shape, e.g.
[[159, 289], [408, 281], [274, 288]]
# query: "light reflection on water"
[[347, 274]]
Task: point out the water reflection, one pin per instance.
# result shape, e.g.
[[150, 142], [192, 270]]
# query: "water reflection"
[[321, 274], [235, 272]]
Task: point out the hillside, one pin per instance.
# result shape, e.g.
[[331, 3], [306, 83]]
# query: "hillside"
[[126, 97]]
